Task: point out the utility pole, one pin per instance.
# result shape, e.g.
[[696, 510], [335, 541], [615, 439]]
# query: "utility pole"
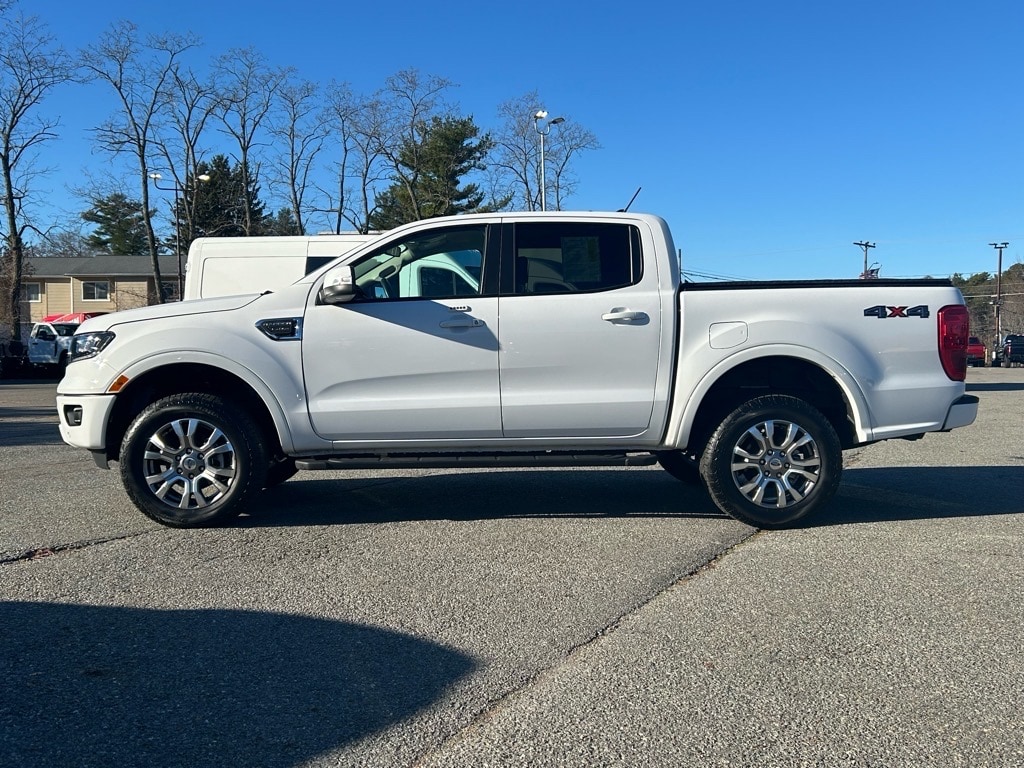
[[865, 245], [999, 294]]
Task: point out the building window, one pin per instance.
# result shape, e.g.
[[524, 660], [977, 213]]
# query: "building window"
[[169, 291], [31, 292], [96, 290]]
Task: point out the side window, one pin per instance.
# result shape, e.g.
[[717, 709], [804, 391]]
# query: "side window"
[[575, 257], [438, 264]]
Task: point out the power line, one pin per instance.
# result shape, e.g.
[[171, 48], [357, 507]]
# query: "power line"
[[987, 295], [713, 276]]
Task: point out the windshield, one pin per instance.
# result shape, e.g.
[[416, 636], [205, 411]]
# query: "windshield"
[[65, 329]]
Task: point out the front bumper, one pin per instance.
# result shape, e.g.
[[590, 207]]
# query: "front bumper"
[[83, 420]]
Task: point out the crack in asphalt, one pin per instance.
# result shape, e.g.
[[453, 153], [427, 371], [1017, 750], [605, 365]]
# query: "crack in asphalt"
[[40, 553], [495, 706]]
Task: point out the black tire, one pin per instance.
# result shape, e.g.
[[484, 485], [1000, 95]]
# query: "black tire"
[[279, 471], [772, 462], [192, 460], [681, 466]]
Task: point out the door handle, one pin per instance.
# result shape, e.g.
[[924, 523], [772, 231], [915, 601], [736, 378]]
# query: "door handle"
[[623, 315], [462, 322]]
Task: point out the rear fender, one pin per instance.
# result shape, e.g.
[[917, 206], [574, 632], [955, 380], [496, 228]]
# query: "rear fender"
[[686, 404]]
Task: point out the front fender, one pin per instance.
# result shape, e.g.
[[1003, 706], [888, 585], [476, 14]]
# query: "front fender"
[[273, 369]]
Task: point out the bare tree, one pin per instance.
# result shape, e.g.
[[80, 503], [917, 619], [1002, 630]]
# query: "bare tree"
[[246, 85], [140, 73], [31, 65], [64, 240], [356, 129], [515, 162], [300, 130], [191, 104], [562, 146], [339, 116], [409, 101]]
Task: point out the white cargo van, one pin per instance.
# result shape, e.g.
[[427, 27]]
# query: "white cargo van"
[[225, 266]]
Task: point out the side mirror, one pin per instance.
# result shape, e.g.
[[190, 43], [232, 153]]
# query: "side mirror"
[[339, 286]]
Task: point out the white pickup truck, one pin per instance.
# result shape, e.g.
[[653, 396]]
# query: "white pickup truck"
[[526, 339], [49, 342]]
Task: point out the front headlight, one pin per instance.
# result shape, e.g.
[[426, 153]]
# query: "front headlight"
[[85, 345]]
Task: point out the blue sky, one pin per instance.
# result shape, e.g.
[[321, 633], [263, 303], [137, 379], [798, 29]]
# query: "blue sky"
[[770, 136]]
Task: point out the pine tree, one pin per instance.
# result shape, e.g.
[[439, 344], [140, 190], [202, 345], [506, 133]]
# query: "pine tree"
[[120, 226], [431, 173], [217, 206]]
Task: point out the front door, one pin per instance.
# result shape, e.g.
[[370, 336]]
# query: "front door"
[[415, 356]]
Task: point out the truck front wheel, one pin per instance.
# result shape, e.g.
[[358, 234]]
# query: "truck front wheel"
[[772, 462], [192, 460]]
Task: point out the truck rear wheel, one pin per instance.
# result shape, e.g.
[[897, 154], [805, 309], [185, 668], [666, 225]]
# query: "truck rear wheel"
[[772, 462], [192, 460]]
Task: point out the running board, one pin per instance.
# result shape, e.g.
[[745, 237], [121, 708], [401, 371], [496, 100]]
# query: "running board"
[[477, 460]]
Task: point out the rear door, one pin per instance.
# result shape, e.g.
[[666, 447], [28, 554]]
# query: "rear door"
[[581, 330]]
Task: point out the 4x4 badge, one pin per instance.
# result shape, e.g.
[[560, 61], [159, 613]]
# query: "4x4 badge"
[[882, 311]]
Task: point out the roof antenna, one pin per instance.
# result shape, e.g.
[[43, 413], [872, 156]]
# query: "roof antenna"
[[623, 210]]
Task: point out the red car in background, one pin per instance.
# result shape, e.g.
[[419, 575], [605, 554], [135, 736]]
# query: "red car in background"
[[975, 352]]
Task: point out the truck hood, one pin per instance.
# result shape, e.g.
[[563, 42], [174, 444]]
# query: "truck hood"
[[173, 309]]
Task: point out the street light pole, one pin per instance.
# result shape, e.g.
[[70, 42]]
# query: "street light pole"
[[155, 178], [537, 117], [999, 294]]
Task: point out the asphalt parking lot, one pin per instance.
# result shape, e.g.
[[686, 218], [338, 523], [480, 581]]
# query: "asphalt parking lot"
[[518, 617]]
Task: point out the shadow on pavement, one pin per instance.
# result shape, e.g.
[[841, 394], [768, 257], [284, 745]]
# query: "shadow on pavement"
[[924, 493], [865, 495], [89, 685], [28, 425], [478, 495]]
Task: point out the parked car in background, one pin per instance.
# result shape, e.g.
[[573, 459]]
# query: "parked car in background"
[[1012, 350], [228, 266], [50, 339], [12, 358], [976, 352]]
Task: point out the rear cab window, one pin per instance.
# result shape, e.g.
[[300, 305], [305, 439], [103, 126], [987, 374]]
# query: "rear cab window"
[[573, 257]]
